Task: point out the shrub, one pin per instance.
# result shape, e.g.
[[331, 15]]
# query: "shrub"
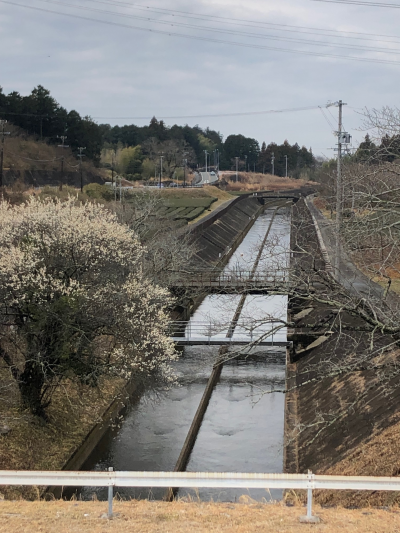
[[99, 192]]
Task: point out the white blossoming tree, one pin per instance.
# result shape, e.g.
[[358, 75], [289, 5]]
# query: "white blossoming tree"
[[74, 300]]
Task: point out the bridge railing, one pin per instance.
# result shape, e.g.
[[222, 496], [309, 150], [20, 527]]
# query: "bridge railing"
[[246, 329], [232, 277], [110, 479]]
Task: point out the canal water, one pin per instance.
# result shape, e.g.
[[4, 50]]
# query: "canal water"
[[243, 427]]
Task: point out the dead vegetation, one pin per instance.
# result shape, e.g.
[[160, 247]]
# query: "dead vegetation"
[[23, 152], [183, 517], [29, 444], [248, 181]]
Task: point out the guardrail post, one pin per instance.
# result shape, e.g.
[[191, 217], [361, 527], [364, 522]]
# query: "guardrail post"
[[110, 497], [309, 518]]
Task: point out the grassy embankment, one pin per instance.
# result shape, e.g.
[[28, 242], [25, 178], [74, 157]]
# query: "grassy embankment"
[[31, 444], [184, 517], [24, 152], [392, 272]]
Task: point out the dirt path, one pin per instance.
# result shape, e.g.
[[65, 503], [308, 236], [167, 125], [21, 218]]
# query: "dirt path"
[[180, 517]]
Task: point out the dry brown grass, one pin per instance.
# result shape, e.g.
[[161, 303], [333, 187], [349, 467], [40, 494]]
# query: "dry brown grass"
[[378, 456], [248, 181], [24, 152], [35, 445], [181, 517]]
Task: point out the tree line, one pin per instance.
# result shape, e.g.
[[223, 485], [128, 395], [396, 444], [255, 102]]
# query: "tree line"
[[41, 115]]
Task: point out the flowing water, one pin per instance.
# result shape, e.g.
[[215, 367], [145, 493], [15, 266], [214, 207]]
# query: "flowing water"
[[243, 427]]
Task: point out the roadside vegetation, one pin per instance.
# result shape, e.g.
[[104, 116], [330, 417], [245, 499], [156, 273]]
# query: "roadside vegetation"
[[181, 517], [248, 181]]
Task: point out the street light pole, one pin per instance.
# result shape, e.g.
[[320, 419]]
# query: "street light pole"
[[237, 167], [161, 169], [3, 134], [184, 174], [245, 163], [286, 166], [206, 154], [273, 164]]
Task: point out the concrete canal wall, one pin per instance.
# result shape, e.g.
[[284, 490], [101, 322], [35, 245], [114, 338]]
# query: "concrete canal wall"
[[335, 420]]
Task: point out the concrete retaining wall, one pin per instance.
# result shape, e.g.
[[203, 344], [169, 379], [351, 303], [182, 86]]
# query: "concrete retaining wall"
[[222, 233]]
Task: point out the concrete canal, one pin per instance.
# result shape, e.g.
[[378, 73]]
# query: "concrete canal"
[[243, 427]]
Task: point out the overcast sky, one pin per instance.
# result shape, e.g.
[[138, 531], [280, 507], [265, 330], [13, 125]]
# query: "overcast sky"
[[106, 70]]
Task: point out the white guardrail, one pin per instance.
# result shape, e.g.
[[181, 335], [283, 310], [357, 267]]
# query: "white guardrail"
[[112, 479]]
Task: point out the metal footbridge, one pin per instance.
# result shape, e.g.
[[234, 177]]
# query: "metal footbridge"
[[235, 281]]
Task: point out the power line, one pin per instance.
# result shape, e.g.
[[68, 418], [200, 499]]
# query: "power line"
[[360, 3], [241, 21], [227, 31], [327, 119], [253, 24], [208, 39], [215, 115]]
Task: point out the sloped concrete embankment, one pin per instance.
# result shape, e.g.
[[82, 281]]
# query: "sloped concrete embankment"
[[340, 421], [218, 235]]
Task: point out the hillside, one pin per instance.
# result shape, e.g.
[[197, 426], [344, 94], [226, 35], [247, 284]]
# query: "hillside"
[[23, 152]]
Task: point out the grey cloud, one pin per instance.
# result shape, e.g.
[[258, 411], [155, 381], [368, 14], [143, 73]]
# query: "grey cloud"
[[110, 71]]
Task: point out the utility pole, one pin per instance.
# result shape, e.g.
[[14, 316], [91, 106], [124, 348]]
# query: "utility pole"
[[63, 145], [273, 163], [3, 134], [237, 167], [339, 188], [245, 163], [161, 169], [217, 160], [81, 156], [206, 154], [286, 165]]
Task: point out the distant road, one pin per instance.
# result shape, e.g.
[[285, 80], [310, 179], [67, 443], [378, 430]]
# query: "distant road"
[[206, 178]]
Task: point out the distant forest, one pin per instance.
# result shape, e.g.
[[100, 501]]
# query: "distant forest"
[[135, 150]]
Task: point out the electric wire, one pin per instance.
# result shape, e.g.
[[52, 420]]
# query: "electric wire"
[[207, 17], [208, 39], [327, 119], [214, 115], [253, 24], [227, 31], [360, 3]]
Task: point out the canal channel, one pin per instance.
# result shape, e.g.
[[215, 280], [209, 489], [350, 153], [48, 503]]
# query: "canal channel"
[[243, 427]]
